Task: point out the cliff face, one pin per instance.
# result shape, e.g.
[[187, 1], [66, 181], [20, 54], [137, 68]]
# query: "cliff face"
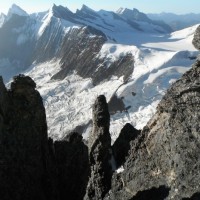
[[164, 160], [25, 163]]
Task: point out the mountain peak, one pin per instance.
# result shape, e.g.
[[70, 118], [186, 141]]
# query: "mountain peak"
[[86, 12], [134, 14], [60, 11], [15, 9], [86, 8]]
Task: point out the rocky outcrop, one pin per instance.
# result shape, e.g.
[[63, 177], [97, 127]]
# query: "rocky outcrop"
[[122, 144], [25, 164], [76, 56], [196, 39], [166, 153], [99, 152]]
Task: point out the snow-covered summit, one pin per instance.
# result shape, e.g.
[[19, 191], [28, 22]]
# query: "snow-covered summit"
[[134, 14], [60, 11], [15, 9], [86, 12], [86, 8]]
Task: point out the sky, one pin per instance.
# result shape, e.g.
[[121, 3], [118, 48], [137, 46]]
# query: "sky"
[[146, 6]]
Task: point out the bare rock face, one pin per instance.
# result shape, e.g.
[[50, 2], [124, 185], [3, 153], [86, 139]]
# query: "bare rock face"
[[196, 39], [99, 152], [164, 159], [122, 144]]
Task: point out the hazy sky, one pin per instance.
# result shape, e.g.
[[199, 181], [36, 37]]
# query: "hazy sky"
[[147, 6]]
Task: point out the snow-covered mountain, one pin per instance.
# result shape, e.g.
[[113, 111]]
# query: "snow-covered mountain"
[[136, 15], [74, 57], [176, 22], [16, 10]]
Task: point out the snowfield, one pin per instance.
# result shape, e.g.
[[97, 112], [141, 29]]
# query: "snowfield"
[[69, 102]]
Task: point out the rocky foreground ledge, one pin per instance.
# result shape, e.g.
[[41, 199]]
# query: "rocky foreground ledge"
[[160, 162]]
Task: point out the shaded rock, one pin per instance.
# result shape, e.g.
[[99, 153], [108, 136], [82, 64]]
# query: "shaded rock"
[[25, 165], [166, 153], [32, 166], [195, 196], [196, 39], [4, 104], [122, 144], [154, 193], [73, 167], [99, 152], [116, 104]]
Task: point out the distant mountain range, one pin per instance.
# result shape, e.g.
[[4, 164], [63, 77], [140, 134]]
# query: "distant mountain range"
[[177, 22]]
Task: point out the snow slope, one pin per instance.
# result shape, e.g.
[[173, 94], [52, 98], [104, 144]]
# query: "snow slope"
[[68, 102]]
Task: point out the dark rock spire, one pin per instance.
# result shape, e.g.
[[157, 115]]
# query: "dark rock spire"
[[99, 152], [24, 155]]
